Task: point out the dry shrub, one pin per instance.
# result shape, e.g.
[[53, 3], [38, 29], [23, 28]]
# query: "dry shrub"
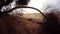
[[52, 24], [10, 24]]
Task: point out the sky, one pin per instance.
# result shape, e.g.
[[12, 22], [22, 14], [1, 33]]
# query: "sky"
[[45, 6]]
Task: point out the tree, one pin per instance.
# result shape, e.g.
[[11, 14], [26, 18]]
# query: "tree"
[[22, 2], [4, 3], [7, 2]]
